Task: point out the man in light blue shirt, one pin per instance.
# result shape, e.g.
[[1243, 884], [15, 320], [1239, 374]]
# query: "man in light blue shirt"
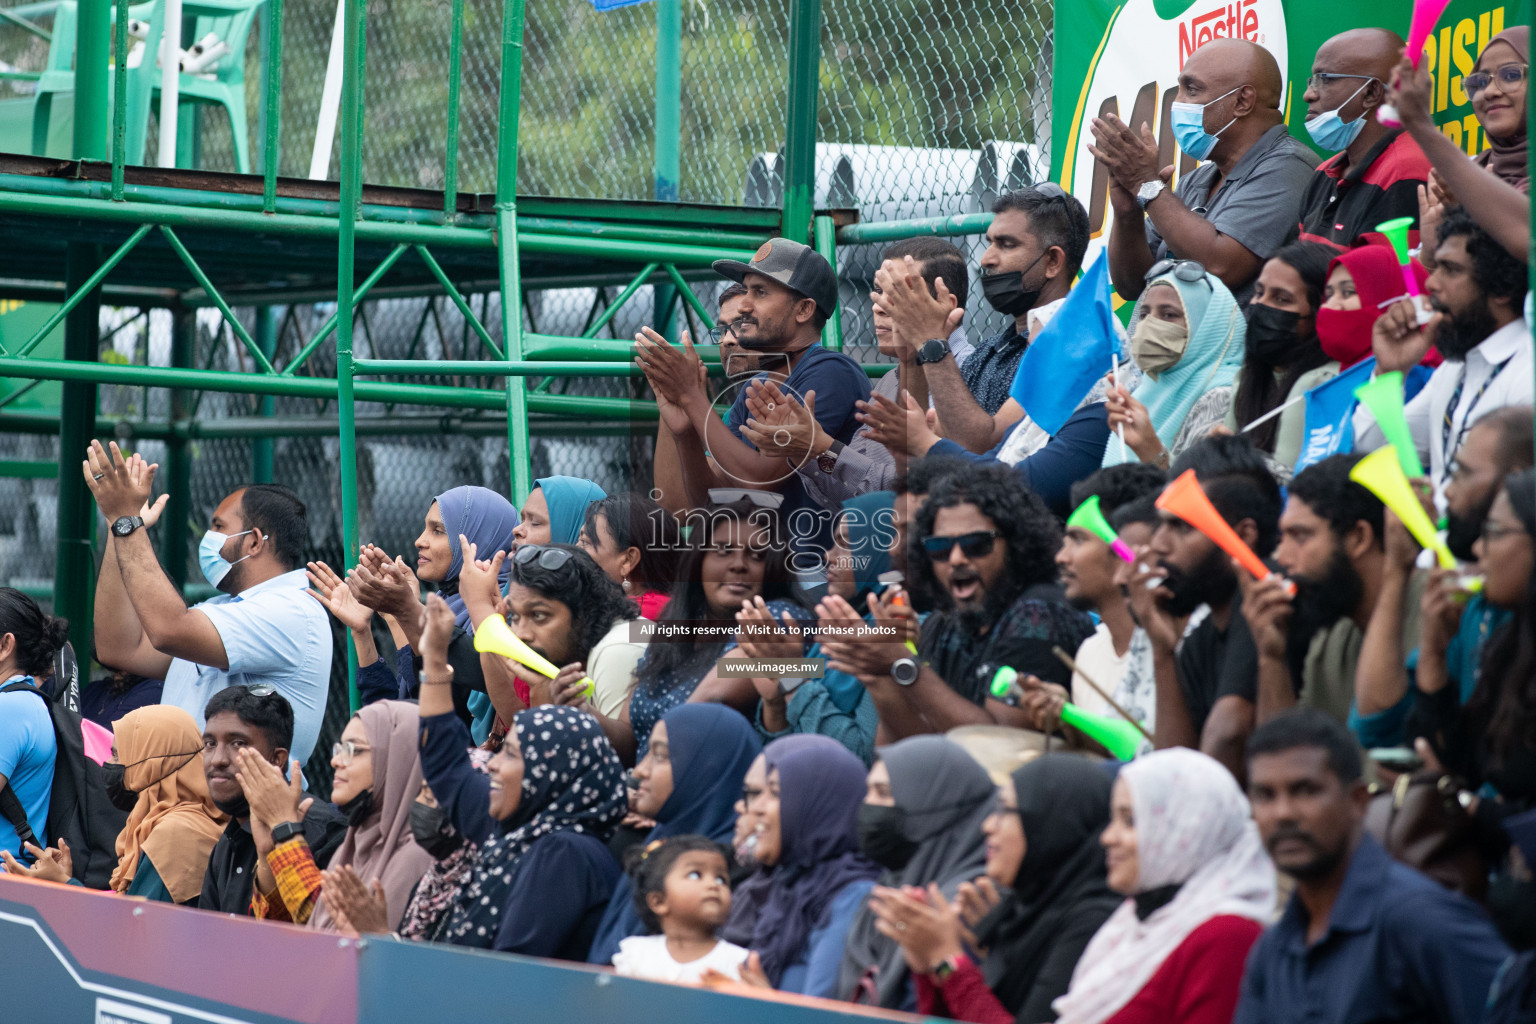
[[264, 628]]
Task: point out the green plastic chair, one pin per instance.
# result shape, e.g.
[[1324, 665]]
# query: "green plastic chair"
[[229, 20]]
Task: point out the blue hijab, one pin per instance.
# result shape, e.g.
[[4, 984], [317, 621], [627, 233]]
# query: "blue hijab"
[[567, 498], [711, 747], [868, 536], [487, 519]]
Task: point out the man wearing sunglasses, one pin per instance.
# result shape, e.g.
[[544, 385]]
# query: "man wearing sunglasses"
[[1375, 172], [1230, 213]]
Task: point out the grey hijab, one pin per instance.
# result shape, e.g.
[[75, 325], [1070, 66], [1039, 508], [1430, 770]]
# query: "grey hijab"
[[944, 796]]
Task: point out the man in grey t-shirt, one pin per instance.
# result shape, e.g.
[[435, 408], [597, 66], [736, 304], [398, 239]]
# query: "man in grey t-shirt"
[[1233, 211]]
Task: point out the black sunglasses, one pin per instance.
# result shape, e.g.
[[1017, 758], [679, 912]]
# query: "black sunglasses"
[[1051, 190], [549, 558], [972, 545]]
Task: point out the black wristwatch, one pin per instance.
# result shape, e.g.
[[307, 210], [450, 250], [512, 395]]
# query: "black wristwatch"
[[932, 350], [905, 671], [285, 831], [827, 460], [122, 526]]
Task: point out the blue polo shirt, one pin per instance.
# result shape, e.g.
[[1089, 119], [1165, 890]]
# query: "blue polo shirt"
[[1399, 947]]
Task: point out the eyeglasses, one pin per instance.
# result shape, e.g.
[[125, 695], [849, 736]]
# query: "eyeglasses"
[[345, 752], [261, 690], [548, 558], [1320, 79], [1477, 81], [716, 333], [1187, 271], [972, 545], [732, 495], [1493, 531]]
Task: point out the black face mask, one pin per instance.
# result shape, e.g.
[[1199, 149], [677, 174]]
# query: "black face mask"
[[1006, 292], [1272, 337], [123, 798], [358, 808], [432, 832], [882, 838], [236, 808]]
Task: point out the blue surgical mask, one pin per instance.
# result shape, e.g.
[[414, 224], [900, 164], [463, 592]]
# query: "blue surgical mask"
[[210, 555], [1331, 132], [1189, 127]]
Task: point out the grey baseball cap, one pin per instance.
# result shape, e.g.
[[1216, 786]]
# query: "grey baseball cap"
[[797, 267]]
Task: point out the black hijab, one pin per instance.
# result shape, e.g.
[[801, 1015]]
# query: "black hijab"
[[1063, 807]]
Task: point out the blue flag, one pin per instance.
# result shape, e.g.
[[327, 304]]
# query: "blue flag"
[[1074, 350], [1330, 406], [613, 5]]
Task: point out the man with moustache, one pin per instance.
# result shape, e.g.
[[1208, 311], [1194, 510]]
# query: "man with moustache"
[[1477, 290], [1450, 636], [254, 717], [1206, 675], [1364, 939]]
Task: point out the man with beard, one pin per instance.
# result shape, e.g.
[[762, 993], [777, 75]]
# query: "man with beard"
[[1363, 938], [254, 717], [1477, 290], [1331, 548], [983, 547], [791, 292], [1206, 676], [1452, 628], [263, 628]]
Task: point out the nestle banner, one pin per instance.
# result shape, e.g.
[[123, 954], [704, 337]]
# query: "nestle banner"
[[1124, 58]]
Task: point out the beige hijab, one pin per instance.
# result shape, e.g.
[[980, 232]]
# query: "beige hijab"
[[382, 847], [175, 820]]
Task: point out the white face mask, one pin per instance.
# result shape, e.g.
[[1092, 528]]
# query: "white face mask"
[[210, 555]]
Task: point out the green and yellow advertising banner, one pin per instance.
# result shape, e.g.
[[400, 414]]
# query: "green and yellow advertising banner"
[[1123, 57]]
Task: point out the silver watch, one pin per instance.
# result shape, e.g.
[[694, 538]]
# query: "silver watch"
[[905, 671], [1149, 191]]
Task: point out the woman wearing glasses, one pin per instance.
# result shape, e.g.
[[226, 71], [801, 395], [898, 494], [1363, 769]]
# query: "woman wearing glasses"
[[1189, 342]]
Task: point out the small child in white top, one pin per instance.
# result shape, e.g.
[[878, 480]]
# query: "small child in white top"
[[682, 889]]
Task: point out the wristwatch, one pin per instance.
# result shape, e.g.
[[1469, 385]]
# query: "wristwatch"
[[932, 351], [1149, 191], [122, 526], [948, 966], [905, 671], [789, 684], [285, 831], [828, 459]]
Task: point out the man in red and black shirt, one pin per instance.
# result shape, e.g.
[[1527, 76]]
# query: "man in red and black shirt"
[[1376, 171]]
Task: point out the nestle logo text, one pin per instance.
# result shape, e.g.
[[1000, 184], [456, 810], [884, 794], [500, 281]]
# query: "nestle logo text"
[[1236, 21]]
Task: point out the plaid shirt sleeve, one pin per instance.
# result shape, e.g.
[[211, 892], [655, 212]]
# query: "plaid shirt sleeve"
[[298, 883]]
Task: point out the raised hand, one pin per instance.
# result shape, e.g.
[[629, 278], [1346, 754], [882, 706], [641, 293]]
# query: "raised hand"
[[121, 487], [916, 313], [273, 799], [337, 598], [767, 638], [437, 631], [360, 909], [479, 579], [778, 425]]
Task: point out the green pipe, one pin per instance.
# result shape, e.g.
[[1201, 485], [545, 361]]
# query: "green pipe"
[[261, 447], [90, 286], [74, 565], [489, 368], [598, 248], [178, 459], [19, 76], [330, 324], [826, 244], [455, 74], [213, 293], [518, 402], [92, 30], [20, 22], [271, 150], [666, 164], [624, 296], [177, 433], [748, 240], [120, 100], [458, 300], [895, 230], [43, 592], [688, 296], [351, 197], [18, 469], [800, 129]]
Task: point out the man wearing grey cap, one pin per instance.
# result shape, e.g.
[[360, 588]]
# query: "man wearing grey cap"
[[791, 292]]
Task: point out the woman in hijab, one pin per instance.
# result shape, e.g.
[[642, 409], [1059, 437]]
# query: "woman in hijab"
[[1499, 103], [378, 776], [687, 783], [1043, 851], [1361, 283], [1189, 344], [921, 821], [555, 510], [837, 705], [1182, 845], [173, 825], [798, 825], [554, 793]]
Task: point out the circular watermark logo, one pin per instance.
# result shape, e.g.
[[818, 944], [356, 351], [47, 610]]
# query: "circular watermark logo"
[[781, 435]]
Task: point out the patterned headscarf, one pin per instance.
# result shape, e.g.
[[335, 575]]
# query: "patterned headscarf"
[[572, 782], [1194, 829]]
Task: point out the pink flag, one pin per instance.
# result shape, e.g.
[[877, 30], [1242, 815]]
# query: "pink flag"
[[98, 741]]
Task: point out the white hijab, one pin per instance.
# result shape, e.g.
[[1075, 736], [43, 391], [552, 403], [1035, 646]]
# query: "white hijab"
[[1194, 829]]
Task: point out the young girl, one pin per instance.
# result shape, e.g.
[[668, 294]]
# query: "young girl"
[[682, 890]]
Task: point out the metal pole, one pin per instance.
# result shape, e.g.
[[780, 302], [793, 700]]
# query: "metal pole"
[[170, 82], [506, 228], [262, 447], [351, 200], [90, 132], [667, 165], [826, 244], [178, 461], [272, 107], [800, 130], [75, 567]]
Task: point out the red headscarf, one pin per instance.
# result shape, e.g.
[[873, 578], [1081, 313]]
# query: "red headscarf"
[[1346, 334]]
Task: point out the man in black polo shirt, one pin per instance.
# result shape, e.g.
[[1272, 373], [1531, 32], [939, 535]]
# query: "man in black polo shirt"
[[1375, 172], [259, 718], [1229, 214]]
